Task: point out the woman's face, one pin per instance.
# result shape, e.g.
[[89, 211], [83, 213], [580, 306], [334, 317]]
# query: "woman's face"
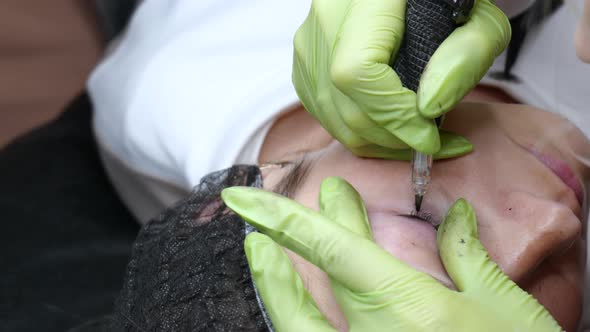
[[527, 197]]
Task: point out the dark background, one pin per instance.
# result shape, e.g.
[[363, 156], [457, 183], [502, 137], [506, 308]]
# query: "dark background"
[[65, 238]]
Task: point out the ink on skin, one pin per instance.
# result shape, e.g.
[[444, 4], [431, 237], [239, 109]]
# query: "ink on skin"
[[422, 216]]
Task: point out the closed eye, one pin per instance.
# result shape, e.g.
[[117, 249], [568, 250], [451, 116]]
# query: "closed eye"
[[422, 216]]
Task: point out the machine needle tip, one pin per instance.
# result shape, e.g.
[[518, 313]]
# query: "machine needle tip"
[[418, 202]]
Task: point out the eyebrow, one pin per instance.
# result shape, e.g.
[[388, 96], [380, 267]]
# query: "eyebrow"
[[291, 182], [422, 216], [300, 168]]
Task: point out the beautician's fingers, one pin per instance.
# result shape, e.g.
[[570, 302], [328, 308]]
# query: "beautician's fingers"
[[371, 32], [452, 146], [340, 115], [466, 260], [468, 264], [343, 255], [461, 252], [342, 204], [286, 300], [463, 59]]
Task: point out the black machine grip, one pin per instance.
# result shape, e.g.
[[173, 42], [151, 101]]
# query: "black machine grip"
[[428, 24]]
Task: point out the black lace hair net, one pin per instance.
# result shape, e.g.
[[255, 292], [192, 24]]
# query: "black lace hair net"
[[188, 270]]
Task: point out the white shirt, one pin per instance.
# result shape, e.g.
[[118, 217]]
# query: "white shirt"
[[192, 82], [193, 86]]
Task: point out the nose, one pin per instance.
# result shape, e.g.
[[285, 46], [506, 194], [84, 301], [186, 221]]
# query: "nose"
[[532, 229]]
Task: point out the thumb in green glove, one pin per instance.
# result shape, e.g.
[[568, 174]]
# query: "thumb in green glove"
[[376, 291], [342, 75]]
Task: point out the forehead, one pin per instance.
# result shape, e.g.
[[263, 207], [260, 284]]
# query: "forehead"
[[500, 164]]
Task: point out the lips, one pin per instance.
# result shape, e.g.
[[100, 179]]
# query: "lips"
[[563, 171]]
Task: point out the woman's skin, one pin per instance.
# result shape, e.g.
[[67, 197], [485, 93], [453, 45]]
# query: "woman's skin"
[[523, 180], [529, 219]]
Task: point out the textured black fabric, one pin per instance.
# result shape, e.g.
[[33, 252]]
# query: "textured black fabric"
[[188, 270], [428, 24], [65, 238]]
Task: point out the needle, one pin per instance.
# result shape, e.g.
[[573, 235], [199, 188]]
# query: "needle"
[[418, 202], [421, 165]]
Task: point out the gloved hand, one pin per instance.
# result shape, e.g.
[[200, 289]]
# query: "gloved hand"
[[376, 291], [342, 75]]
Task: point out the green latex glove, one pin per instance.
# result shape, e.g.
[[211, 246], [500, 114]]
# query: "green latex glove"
[[376, 291], [342, 75]]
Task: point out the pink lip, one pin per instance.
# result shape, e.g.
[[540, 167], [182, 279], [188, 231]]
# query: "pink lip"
[[562, 170]]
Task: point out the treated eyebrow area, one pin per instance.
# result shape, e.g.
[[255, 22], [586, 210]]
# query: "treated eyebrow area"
[[289, 184], [423, 216]]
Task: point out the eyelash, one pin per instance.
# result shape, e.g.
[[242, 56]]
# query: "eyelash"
[[422, 216]]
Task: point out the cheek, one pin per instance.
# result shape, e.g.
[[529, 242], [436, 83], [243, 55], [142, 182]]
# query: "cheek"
[[411, 241], [557, 285]]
